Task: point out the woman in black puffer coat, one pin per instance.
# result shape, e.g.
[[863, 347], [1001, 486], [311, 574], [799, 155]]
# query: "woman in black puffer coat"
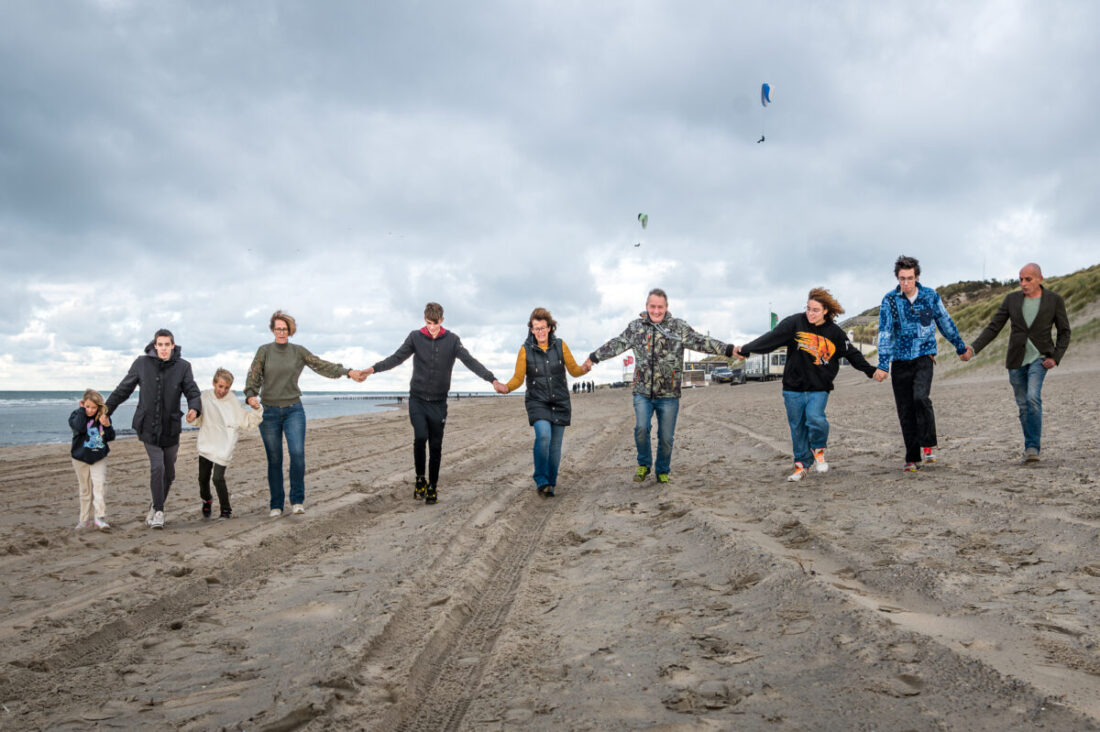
[[162, 377]]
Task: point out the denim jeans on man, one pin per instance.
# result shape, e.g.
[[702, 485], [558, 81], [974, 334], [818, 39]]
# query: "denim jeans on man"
[[666, 408], [292, 422], [1027, 386], [809, 428], [547, 452]]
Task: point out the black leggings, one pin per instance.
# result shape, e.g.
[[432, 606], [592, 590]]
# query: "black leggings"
[[206, 467], [428, 421]]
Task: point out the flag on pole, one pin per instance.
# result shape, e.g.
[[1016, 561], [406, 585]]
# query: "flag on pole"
[[775, 320]]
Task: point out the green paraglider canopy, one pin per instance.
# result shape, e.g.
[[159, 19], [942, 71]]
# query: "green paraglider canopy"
[[644, 218]]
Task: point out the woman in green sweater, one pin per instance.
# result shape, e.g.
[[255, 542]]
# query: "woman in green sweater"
[[274, 377]]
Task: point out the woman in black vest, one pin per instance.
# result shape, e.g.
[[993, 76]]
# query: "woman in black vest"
[[542, 362]]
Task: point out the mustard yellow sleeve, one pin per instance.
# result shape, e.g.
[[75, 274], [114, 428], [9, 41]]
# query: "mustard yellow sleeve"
[[521, 370], [571, 363]]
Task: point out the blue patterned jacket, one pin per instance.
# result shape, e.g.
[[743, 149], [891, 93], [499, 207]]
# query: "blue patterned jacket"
[[908, 330]]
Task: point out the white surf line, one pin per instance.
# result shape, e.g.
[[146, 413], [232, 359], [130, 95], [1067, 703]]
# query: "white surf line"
[[997, 644]]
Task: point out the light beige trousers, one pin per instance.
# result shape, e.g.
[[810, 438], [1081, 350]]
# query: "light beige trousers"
[[93, 488]]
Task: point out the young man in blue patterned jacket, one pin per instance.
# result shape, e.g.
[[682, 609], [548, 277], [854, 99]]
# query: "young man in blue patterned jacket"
[[907, 322]]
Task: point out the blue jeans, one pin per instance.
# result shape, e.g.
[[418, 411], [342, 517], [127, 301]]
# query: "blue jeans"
[[809, 428], [666, 408], [547, 452], [1027, 386], [292, 422]]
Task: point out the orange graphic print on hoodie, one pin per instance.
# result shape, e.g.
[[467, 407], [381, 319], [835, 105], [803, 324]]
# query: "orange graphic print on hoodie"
[[821, 348]]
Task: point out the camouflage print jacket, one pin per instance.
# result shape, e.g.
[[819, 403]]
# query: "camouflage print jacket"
[[659, 353]]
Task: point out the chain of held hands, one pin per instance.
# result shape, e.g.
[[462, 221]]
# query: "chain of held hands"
[[360, 375]]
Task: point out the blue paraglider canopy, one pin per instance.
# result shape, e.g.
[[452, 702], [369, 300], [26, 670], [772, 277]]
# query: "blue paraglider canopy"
[[765, 94]]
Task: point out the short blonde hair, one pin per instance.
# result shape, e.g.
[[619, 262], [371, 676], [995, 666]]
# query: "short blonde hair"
[[291, 324], [224, 375]]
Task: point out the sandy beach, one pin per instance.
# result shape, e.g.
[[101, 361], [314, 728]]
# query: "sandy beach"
[[966, 596]]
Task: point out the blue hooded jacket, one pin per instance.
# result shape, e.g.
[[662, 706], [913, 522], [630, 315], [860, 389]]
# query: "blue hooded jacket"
[[908, 330]]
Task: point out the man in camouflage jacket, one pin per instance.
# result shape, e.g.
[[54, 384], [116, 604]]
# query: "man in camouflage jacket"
[[658, 341]]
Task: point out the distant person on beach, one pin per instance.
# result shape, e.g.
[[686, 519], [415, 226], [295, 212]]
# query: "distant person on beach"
[[434, 350], [1033, 311], [907, 322], [658, 341], [273, 381], [92, 431], [163, 377], [815, 344], [223, 418], [542, 363]]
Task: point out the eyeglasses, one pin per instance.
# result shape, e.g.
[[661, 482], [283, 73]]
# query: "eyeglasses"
[[281, 330], [541, 330]]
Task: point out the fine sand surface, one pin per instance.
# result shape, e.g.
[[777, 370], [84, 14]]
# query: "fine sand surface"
[[964, 597]]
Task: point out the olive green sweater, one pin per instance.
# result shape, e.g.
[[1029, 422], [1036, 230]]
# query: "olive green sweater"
[[275, 370]]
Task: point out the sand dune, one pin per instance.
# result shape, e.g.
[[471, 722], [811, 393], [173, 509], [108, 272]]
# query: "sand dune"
[[963, 597]]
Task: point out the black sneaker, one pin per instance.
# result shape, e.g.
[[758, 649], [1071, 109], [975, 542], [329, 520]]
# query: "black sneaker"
[[206, 508], [420, 489], [430, 495], [548, 491], [226, 513]]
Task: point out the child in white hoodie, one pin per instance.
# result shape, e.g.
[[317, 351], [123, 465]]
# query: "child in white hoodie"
[[223, 417]]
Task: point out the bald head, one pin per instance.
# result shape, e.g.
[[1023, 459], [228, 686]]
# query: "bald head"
[[1031, 277]]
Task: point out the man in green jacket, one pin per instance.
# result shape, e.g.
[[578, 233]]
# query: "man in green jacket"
[[658, 341], [1033, 310]]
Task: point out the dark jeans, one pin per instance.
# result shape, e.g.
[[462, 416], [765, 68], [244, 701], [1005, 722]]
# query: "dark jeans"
[[428, 420], [912, 382], [290, 421], [162, 471], [1027, 387], [666, 408], [206, 469], [547, 452]]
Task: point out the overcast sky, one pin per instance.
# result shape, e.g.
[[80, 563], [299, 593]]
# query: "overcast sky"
[[197, 165]]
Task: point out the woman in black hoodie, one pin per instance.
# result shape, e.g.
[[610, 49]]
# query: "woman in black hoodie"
[[162, 377]]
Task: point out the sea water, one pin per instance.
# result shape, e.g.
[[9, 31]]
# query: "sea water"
[[42, 417]]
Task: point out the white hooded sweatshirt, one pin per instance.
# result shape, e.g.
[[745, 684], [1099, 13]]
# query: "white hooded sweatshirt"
[[220, 424]]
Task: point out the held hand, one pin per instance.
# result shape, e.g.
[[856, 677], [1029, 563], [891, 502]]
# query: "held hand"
[[253, 402], [587, 365], [737, 351], [880, 375], [499, 387], [105, 420], [967, 354], [1049, 363], [357, 376], [192, 415]]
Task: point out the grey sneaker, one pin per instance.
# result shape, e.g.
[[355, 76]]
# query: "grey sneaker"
[[1031, 455], [158, 520], [149, 516], [297, 508], [275, 513]]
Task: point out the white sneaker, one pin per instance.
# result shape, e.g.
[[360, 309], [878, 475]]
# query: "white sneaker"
[[101, 524], [820, 466], [83, 525], [158, 520], [276, 513], [297, 508], [149, 516], [798, 474]]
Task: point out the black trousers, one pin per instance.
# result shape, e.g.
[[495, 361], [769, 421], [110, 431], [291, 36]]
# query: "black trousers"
[[912, 382], [208, 468], [428, 421]]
